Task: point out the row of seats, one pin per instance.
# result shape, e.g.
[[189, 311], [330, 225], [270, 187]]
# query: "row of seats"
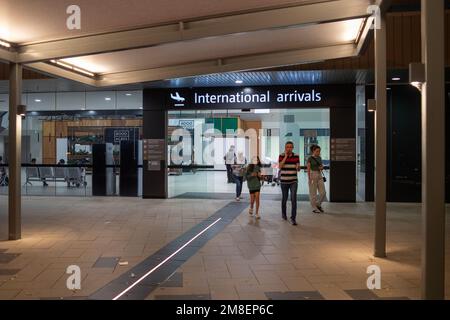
[[71, 175]]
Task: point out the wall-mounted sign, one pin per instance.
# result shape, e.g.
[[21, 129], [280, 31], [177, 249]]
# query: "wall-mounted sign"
[[154, 165], [303, 96], [183, 123], [115, 135], [120, 135], [343, 149], [154, 150], [248, 96]]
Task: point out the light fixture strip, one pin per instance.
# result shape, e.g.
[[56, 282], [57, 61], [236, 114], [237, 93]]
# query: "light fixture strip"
[[73, 68], [84, 71], [65, 65], [5, 44]]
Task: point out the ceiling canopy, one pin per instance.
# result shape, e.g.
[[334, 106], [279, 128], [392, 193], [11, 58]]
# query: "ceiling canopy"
[[121, 42]]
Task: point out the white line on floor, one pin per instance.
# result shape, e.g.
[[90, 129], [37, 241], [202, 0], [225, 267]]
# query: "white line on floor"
[[167, 259]]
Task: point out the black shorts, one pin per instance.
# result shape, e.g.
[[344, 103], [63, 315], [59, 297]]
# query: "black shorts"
[[254, 191]]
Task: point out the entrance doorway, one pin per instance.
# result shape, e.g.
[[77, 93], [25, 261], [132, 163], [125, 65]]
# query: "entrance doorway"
[[199, 140]]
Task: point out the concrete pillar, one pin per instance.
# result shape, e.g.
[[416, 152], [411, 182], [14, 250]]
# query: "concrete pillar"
[[433, 151], [14, 155], [380, 138]]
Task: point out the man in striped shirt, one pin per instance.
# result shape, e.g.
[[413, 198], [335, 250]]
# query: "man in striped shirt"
[[289, 164]]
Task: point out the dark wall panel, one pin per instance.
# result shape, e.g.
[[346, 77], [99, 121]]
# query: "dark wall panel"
[[155, 182], [129, 168], [404, 145], [99, 170], [404, 170], [447, 144], [343, 173]]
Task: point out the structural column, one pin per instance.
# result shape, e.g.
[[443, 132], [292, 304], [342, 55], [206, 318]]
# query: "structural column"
[[14, 154], [433, 151], [380, 137]]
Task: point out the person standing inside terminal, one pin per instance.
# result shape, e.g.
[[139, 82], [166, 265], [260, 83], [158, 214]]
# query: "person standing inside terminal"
[[253, 177], [315, 179], [4, 181], [44, 183], [238, 173], [230, 158], [289, 164]]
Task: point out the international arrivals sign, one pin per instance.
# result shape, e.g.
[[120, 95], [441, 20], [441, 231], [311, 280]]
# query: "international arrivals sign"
[[251, 97], [244, 97]]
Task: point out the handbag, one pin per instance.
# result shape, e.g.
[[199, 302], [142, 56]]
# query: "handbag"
[[323, 177]]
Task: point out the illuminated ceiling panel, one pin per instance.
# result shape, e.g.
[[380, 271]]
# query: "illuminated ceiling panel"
[[25, 21], [266, 41]]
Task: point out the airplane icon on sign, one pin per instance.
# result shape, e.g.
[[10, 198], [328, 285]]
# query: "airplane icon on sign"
[[177, 97]]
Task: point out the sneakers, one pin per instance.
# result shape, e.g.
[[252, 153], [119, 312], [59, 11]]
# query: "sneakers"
[[318, 209], [284, 217], [257, 217], [238, 199], [294, 223]]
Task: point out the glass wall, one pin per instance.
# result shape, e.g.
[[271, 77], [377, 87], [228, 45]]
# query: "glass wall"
[[61, 128], [361, 143], [58, 135], [4, 132], [203, 138]]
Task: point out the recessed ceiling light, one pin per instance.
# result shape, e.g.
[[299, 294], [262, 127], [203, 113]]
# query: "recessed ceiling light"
[[108, 99], [128, 94], [239, 81], [37, 100], [396, 79]]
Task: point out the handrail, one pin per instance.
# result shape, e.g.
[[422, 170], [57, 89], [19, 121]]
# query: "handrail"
[[27, 165]]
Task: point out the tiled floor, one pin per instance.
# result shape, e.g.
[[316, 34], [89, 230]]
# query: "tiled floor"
[[216, 182], [325, 256]]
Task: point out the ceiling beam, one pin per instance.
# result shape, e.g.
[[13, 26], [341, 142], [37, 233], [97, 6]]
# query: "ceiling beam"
[[364, 38], [56, 71], [189, 30], [7, 55], [231, 64]]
